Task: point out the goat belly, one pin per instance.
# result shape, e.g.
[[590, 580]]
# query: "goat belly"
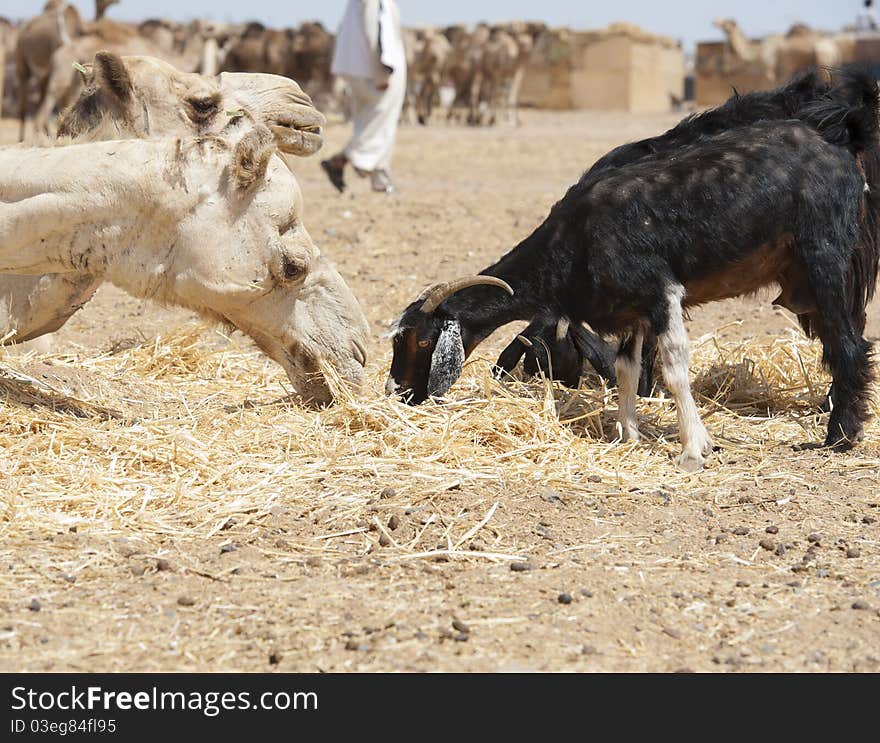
[[771, 263]]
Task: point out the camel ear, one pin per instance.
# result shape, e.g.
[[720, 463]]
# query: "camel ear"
[[112, 75], [251, 158]]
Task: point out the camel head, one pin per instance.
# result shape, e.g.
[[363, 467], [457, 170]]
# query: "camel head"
[[139, 97], [727, 25], [283, 106], [245, 258], [102, 6]]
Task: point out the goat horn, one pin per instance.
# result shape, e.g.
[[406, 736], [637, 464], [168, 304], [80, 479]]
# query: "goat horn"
[[562, 328], [437, 294]]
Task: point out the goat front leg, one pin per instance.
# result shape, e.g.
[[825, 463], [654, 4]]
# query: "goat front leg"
[[627, 366], [675, 358]]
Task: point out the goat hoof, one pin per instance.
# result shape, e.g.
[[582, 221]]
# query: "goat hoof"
[[690, 462]]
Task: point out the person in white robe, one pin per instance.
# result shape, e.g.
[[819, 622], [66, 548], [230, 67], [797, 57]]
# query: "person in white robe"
[[371, 58], [866, 21]]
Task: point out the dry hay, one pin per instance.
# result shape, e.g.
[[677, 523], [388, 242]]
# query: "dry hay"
[[174, 440]]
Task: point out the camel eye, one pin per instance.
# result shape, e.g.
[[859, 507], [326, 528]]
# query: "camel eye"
[[424, 344], [203, 108], [202, 104]]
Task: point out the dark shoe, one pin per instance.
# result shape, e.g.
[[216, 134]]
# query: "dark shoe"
[[335, 174]]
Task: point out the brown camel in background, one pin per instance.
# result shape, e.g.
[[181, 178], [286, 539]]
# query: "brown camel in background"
[[8, 35], [37, 41]]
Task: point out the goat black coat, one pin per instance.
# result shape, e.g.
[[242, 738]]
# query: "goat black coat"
[[839, 109], [773, 202]]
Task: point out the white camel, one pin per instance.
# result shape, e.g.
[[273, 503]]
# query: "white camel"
[[212, 224]]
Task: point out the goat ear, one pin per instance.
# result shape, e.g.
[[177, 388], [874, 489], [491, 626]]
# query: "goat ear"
[[251, 158], [447, 361], [112, 75]]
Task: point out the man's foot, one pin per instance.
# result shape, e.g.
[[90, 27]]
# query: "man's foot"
[[335, 172], [381, 182]]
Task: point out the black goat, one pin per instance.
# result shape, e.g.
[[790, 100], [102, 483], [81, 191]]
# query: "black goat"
[[562, 357], [627, 251]]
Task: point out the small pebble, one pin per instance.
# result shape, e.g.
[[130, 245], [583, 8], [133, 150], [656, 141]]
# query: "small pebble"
[[588, 650], [461, 637], [781, 550], [594, 478], [772, 529], [564, 598], [767, 544], [814, 538], [460, 626], [351, 645], [869, 520], [163, 564], [138, 570], [742, 584], [388, 493], [394, 522], [275, 658], [384, 541], [231, 547], [313, 561], [520, 567], [740, 531], [861, 605], [853, 552], [68, 577], [35, 605], [186, 601]]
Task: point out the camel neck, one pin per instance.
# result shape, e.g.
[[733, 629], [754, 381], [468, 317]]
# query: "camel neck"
[[74, 208]]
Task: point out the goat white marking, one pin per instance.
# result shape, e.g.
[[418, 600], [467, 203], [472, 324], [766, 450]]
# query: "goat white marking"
[[628, 369], [675, 355]]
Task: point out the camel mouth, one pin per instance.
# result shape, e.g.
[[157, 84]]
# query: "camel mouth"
[[296, 137]]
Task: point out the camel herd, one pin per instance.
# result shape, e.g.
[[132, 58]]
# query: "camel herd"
[[779, 56], [481, 68]]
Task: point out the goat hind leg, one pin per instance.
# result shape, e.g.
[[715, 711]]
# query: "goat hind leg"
[[675, 358], [846, 354]]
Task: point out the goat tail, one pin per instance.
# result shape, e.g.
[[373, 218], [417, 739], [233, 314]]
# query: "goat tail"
[[848, 114], [865, 258]]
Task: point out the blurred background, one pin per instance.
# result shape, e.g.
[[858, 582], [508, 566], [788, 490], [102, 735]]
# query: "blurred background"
[[641, 56]]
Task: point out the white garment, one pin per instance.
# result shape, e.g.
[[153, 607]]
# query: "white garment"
[[375, 114], [866, 20], [369, 42]]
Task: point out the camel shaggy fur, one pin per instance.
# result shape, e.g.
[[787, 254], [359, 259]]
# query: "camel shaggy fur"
[[139, 97]]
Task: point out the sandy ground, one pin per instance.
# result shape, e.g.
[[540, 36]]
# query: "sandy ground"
[[765, 573]]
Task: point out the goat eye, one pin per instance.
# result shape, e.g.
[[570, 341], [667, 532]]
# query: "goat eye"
[[424, 344]]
